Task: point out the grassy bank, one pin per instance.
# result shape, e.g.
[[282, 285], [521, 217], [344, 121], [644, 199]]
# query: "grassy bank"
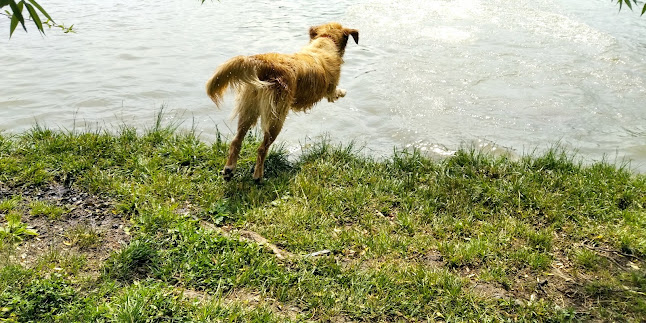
[[140, 227]]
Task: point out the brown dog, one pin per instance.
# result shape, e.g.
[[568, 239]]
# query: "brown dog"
[[269, 85]]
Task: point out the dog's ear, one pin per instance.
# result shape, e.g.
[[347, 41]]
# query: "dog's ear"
[[354, 33], [313, 32]]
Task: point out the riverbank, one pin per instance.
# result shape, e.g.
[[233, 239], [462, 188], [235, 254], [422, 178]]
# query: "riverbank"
[[140, 226]]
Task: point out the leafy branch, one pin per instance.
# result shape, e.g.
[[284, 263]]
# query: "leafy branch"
[[17, 16], [630, 5], [33, 8]]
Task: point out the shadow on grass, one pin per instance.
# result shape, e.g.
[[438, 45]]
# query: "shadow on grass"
[[242, 192]]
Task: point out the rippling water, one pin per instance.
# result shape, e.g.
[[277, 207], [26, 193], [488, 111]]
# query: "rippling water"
[[429, 74]]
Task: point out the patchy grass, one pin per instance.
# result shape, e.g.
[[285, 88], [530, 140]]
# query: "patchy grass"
[[83, 236], [141, 227], [40, 208]]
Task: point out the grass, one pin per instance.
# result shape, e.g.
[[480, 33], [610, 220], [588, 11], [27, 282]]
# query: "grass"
[[40, 208], [472, 237], [83, 236]]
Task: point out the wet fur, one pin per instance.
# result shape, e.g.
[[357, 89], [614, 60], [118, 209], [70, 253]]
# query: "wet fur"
[[269, 85]]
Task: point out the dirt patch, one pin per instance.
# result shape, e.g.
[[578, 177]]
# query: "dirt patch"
[[434, 259], [564, 283], [246, 298], [89, 226], [489, 290]]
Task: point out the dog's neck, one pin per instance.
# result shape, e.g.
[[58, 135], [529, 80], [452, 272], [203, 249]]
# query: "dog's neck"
[[339, 47], [328, 37]]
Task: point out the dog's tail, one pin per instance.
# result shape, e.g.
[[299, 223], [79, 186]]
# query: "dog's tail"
[[237, 70]]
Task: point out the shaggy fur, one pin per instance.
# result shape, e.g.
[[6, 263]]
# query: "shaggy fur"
[[269, 85]]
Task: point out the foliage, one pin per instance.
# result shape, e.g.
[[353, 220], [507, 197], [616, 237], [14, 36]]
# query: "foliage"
[[15, 229], [39, 300], [17, 15], [630, 5]]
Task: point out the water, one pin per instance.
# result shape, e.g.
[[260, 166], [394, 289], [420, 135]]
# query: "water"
[[429, 74]]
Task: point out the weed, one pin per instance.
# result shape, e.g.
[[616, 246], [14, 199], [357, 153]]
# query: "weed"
[[14, 229], [39, 300]]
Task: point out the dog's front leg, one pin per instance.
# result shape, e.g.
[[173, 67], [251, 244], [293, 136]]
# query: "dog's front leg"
[[336, 94]]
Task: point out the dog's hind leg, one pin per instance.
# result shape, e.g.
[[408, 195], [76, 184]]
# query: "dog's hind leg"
[[272, 123], [234, 149], [268, 139], [247, 116]]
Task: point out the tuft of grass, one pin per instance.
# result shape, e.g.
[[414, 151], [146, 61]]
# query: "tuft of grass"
[[10, 204], [83, 236], [43, 208], [61, 263], [132, 262], [149, 302], [589, 259]]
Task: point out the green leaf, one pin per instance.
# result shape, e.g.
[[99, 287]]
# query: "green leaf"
[[14, 23], [31, 232], [628, 4], [35, 18], [17, 13], [644, 10], [41, 9]]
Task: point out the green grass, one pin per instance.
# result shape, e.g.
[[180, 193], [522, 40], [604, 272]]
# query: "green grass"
[[53, 212], [411, 238], [83, 236], [9, 204]]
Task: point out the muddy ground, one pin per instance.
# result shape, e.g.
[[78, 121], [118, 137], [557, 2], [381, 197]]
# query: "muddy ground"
[[90, 227]]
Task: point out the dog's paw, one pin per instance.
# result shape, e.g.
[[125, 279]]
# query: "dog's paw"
[[257, 180], [339, 93], [227, 173]]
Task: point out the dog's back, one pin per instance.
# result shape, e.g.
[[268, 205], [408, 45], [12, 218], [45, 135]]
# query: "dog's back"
[[302, 79]]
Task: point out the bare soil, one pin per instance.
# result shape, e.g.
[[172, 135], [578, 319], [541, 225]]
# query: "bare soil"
[[85, 212]]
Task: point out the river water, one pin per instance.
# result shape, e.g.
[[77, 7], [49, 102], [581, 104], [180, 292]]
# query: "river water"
[[437, 75]]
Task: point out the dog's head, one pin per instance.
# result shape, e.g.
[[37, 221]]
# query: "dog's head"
[[336, 32]]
